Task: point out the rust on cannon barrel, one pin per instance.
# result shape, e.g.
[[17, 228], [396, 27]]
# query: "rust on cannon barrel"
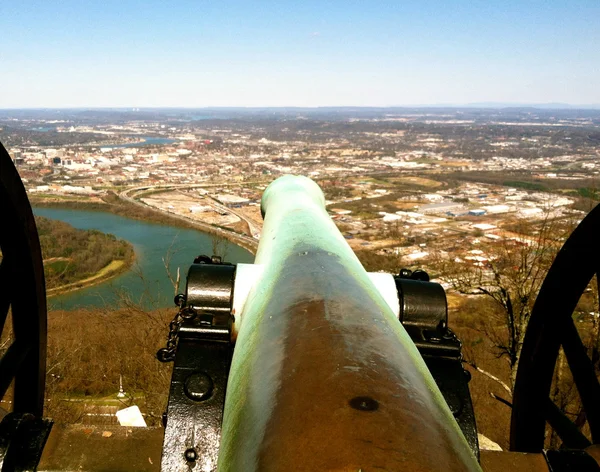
[[324, 376]]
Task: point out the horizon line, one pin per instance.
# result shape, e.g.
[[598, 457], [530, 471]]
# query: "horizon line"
[[492, 105]]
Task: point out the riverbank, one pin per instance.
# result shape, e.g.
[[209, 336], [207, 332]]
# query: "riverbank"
[[77, 258], [147, 283], [113, 269], [133, 209]]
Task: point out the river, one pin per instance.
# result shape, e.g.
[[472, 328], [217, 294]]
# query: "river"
[[146, 283], [140, 140], [145, 141]]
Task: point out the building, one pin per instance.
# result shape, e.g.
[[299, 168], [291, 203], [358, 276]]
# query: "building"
[[443, 208], [484, 226], [231, 199], [477, 212], [494, 209], [530, 212], [433, 197]]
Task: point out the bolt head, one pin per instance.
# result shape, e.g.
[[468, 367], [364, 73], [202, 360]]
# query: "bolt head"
[[198, 386], [179, 299], [190, 455]]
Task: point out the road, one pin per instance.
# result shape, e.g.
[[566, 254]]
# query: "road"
[[254, 230], [241, 239]]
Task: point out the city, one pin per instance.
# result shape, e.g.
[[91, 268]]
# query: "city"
[[413, 183]]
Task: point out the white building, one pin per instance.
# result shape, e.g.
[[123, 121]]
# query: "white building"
[[495, 209], [433, 197]]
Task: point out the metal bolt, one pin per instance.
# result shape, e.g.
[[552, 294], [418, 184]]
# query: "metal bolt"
[[421, 275], [198, 386], [179, 300], [188, 314], [190, 455], [202, 260]]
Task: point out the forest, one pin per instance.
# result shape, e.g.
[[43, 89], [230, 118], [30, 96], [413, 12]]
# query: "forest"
[[71, 255]]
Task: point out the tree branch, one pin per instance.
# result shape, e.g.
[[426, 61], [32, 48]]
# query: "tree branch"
[[493, 377]]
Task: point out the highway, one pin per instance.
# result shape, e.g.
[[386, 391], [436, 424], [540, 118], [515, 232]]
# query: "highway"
[[246, 242]]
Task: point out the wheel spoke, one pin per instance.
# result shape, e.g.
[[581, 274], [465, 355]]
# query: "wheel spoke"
[[584, 376], [568, 432], [571, 272], [10, 364], [5, 292], [23, 286]]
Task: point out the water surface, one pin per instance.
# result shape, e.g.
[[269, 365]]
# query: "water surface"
[[147, 282], [145, 141]]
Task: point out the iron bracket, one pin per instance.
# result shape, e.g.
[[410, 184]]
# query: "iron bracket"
[[424, 315], [199, 381]]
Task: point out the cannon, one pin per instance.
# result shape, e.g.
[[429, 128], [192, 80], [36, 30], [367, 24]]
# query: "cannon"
[[304, 361]]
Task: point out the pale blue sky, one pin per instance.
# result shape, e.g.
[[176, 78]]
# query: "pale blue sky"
[[77, 53]]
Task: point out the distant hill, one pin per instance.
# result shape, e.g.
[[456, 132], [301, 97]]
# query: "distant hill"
[[539, 106]]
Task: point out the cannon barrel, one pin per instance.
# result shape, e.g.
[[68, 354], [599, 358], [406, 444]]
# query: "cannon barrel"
[[323, 376]]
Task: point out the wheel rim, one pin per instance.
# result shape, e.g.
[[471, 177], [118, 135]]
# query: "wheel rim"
[[550, 326], [22, 292]]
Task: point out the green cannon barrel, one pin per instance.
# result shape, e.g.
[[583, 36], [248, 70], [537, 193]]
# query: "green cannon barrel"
[[324, 376]]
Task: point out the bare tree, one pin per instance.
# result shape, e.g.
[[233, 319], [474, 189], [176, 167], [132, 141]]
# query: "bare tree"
[[510, 273], [220, 245], [175, 280]]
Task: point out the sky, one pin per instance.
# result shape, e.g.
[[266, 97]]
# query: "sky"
[[147, 53]]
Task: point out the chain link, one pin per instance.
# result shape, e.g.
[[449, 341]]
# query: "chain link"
[[167, 354]]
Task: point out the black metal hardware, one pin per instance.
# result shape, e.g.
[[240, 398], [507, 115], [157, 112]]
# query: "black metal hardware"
[[22, 440], [202, 362], [23, 293], [424, 315], [566, 460], [167, 354]]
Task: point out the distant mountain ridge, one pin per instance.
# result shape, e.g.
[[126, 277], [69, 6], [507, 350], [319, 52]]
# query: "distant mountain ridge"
[[493, 105], [539, 106]]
